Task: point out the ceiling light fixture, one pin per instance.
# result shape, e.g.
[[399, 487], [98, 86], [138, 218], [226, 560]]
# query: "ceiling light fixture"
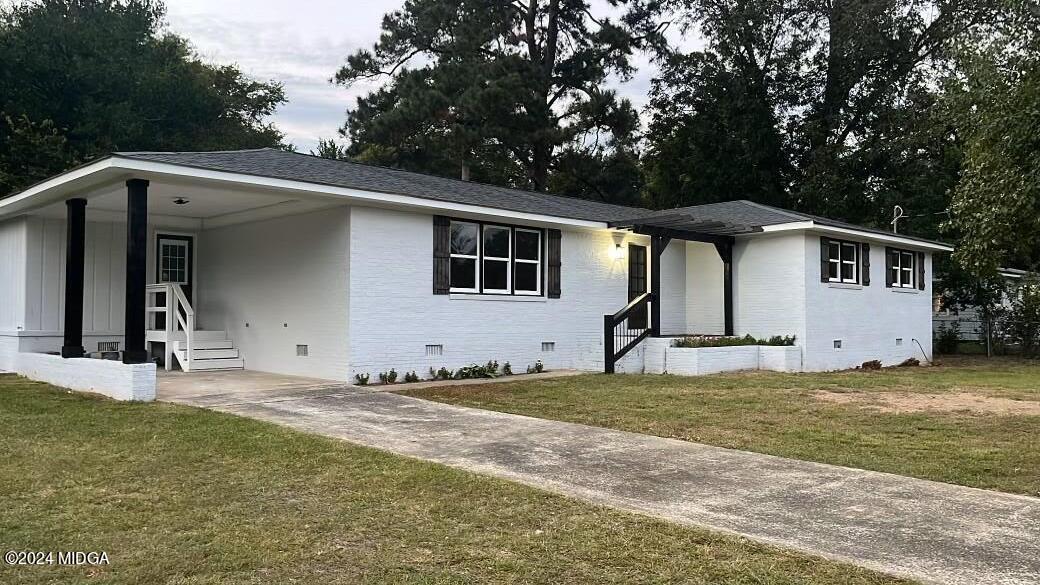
[[180, 201]]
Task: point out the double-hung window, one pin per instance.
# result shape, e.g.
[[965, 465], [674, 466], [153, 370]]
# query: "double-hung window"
[[527, 271], [902, 268], [495, 259], [842, 262], [465, 257]]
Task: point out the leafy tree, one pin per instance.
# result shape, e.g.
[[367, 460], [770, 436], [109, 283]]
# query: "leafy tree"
[[329, 148], [996, 205], [80, 78], [822, 105], [505, 90]]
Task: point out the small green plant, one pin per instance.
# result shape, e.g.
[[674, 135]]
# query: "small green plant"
[[507, 370], [948, 338], [530, 369], [411, 377], [361, 379], [719, 341], [539, 367], [442, 374], [388, 377]]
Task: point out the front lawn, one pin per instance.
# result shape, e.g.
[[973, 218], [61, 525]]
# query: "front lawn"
[[973, 422], [180, 495]]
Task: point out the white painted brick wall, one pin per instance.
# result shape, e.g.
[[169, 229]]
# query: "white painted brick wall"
[[394, 313], [705, 308], [769, 286], [288, 279], [867, 320]]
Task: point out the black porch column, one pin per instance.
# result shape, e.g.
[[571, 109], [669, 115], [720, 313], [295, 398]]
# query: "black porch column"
[[657, 246], [136, 259], [725, 250], [76, 227]]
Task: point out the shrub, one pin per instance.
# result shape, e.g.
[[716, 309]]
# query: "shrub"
[[539, 367], [948, 338], [388, 377], [489, 370], [507, 370], [718, 341], [1022, 320], [411, 377], [361, 379], [871, 365], [441, 374]]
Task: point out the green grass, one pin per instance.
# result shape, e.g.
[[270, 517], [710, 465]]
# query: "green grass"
[[180, 495], [778, 414]]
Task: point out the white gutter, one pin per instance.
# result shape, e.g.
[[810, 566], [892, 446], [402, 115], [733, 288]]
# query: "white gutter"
[[812, 226], [110, 168]]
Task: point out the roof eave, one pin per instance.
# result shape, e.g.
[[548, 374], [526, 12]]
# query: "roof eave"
[[815, 227]]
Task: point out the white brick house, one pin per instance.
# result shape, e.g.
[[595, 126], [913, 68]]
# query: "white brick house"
[[287, 263]]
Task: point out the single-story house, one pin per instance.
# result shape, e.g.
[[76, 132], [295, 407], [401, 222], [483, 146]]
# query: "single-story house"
[[288, 263]]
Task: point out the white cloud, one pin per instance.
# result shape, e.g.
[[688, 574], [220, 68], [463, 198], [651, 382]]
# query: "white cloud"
[[301, 44]]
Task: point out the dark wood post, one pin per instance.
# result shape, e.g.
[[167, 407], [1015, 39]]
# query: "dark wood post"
[[136, 267], [725, 250], [657, 246], [75, 243], [608, 344]]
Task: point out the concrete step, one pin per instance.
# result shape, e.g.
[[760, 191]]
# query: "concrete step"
[[218, 364], [210, 344], [209, 354]]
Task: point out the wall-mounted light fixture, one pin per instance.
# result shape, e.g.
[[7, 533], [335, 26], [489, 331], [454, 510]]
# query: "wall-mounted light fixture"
[[617, 251]]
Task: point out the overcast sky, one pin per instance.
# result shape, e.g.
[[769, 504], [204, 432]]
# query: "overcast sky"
[[301, 43]]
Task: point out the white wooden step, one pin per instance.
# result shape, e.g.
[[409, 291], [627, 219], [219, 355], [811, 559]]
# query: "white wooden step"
[[200, 335], [217, 364], [209, 354], [197, 344]]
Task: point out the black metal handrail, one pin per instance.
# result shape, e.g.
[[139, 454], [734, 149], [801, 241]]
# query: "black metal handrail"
[[619, 337]]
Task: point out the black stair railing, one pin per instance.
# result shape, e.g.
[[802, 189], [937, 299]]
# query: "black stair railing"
[[625, 329]]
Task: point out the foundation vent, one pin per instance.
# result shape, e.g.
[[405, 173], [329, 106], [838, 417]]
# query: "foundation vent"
[[434, 350], [302, 350], [104, 346], [548, 346]]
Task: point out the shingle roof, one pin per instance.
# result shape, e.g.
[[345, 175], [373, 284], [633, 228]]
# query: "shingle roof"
[[280, 164], [726, 218]]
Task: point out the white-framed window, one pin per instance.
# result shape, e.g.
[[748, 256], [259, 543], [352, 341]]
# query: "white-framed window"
[[527, 270], [843, 262], [495, 259], [903, 268], [465, 256], [498, 255], [173, 261]]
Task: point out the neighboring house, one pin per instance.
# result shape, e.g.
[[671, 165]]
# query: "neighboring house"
[[970, 323], [288, 263]]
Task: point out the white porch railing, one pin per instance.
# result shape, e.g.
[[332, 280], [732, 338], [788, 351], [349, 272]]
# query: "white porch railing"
[[179, 321]]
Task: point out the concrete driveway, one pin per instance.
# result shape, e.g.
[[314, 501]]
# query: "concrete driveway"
[[929, 531]]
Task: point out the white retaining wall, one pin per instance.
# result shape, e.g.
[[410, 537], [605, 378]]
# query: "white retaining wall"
[[107, 377], [662, 358]]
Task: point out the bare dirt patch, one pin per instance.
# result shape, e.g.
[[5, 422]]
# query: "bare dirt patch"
[[903, 402]]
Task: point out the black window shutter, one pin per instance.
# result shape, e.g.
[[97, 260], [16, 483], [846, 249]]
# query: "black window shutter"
[[441, 255], [552, 284], [824, 259], [920, 271], [888, 267], [864, 250]]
